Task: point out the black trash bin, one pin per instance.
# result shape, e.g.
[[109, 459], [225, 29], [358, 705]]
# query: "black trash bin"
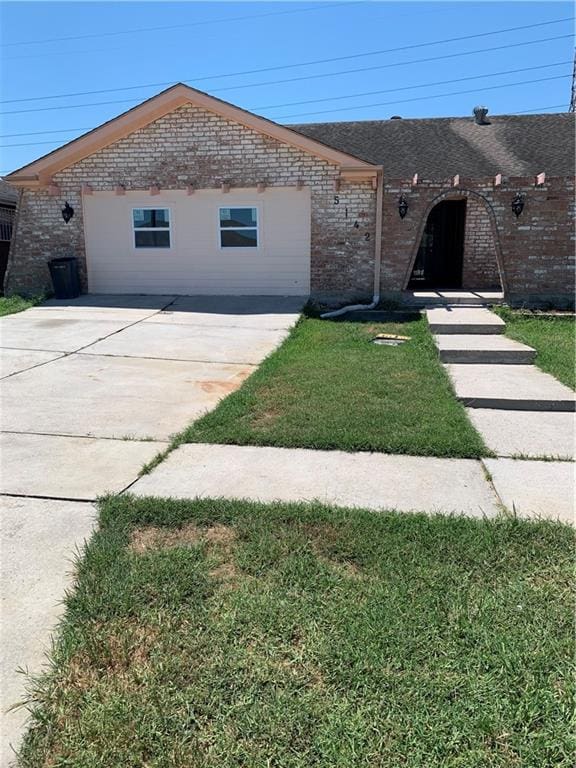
[[65, 278]]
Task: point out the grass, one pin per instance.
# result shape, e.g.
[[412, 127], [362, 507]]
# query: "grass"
[[329, 387], [552, 336], [218, 634], [11, 304]]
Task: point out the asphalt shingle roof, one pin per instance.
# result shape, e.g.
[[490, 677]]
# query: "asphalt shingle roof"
[[436, 148]]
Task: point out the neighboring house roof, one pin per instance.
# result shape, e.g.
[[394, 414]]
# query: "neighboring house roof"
[[436, 148], [40, 171], [8, 194]]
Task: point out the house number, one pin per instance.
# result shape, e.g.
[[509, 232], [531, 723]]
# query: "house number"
[[361, 215]]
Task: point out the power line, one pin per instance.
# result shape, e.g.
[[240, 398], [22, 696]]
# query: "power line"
[[290, 66], [69, 54], [116, 33], [72, 106], [33, 143], [424, 98], [536, 110], [388, 103], [393, 65], [353, 95], [304, 77], [411, 87], [86, 51], [43, 133]]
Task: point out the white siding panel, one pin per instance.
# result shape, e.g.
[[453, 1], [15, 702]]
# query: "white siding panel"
[[195, 264]]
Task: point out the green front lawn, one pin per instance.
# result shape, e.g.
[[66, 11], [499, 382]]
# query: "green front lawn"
[[329, 387], [552, 336], [11, 304], [219, 634]]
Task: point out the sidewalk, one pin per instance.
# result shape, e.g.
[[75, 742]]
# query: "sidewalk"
[[39, 540], [368, 480]]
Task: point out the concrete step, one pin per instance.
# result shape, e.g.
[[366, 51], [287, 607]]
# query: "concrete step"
[[464, 320], [423, 299], [510, 387], [483, 348]]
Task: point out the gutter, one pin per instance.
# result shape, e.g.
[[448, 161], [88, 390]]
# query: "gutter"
[[377, 255]]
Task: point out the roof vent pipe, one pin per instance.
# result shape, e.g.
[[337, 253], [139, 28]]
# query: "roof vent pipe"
[[480, 115]]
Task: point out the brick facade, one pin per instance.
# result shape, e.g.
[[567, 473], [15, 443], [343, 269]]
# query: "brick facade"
[[532, 256], [191, 146], [480, 268], [534, 253]]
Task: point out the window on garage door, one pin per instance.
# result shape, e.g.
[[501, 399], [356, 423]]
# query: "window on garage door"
[[151, 227], [238, 227]]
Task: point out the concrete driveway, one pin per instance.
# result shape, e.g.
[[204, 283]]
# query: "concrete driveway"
[[90, 390], [94, 388]]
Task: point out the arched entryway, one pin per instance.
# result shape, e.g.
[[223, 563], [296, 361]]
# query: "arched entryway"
[[440, 259], [458, 247]]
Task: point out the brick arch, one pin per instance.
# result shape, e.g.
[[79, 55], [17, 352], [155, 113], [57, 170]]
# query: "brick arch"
[[459, 194]]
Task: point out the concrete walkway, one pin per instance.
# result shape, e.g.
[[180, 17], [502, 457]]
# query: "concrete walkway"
[[91, 390], [519, 410], [489, 370], [369, 480]]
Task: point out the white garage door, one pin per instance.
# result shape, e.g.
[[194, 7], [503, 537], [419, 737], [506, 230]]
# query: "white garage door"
[[210, 242]]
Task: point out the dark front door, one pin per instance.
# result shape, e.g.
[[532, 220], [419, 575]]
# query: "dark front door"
[[441, 252]]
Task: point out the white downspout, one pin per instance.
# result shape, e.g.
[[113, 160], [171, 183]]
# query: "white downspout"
[[377, 254]]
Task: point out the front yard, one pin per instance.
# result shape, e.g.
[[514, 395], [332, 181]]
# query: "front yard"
[[552, 336], [329, 387], [227, 634]]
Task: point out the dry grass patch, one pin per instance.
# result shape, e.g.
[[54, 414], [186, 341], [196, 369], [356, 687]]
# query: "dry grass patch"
[[322, 533], [344, 567], [229, 575], [153, 538], [218, 539], [267, 418], [324, 539], [117, 649]]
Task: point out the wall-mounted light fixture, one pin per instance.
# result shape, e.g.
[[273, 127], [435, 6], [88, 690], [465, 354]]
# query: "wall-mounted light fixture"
[[67, 212], [402, 206], [518, 203]]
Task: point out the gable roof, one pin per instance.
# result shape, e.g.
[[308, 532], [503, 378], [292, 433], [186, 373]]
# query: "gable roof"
[[40, 171], [437, 148]]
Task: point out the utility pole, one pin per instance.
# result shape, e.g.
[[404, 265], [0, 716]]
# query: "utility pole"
[[573, 95]]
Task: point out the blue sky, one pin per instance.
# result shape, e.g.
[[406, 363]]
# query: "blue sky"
[[204, 41]]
